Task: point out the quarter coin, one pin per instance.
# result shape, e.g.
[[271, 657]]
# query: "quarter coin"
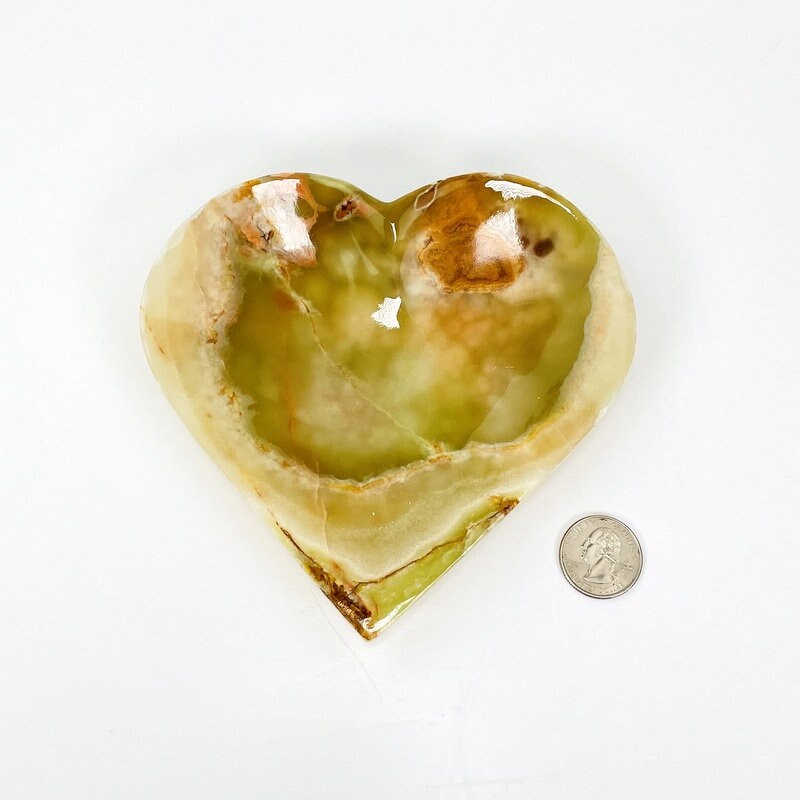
[[600, 556]]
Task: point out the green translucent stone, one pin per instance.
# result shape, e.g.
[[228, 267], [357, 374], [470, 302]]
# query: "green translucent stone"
[[386, 380]]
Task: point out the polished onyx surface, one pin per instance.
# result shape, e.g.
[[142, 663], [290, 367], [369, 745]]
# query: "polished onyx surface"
[[384, 381]]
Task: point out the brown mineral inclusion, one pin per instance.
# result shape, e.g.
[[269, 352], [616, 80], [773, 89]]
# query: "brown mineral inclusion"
[[384, 381]]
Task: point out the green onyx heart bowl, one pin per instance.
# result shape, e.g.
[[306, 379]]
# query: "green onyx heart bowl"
[[385, 381]]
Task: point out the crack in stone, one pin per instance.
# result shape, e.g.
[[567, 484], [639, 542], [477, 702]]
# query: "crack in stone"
[[427, 447], [414, 561], [370, 267], [347, 599], [507, 504], [321, 503]]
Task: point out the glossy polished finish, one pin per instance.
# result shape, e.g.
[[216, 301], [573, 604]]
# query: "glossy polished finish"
[[385, 380]]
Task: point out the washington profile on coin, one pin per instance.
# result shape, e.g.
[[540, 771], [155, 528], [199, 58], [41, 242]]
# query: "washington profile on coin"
[[600, 556]]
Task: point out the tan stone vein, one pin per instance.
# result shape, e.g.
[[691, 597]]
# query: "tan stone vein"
[[506, 505]]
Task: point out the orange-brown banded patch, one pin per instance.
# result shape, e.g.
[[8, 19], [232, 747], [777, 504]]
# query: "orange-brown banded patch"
[[244, 190], [450, 246]]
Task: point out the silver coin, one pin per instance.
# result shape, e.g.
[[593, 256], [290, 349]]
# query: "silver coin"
[[600, 556]]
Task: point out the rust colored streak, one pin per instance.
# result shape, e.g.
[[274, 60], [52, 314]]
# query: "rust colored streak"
[[284, 301], [345, 600], [243, 191], [345, 209], [504, 505]]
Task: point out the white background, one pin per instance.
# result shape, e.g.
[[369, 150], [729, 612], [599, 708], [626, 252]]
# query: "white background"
[[158, 642]]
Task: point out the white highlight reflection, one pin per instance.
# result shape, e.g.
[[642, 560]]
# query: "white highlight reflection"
[[278, 200], [516, 191], [386, 315], [498, 237]]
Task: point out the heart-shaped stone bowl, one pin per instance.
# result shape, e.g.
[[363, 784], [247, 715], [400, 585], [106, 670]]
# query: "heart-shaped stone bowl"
[[385, 381]]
